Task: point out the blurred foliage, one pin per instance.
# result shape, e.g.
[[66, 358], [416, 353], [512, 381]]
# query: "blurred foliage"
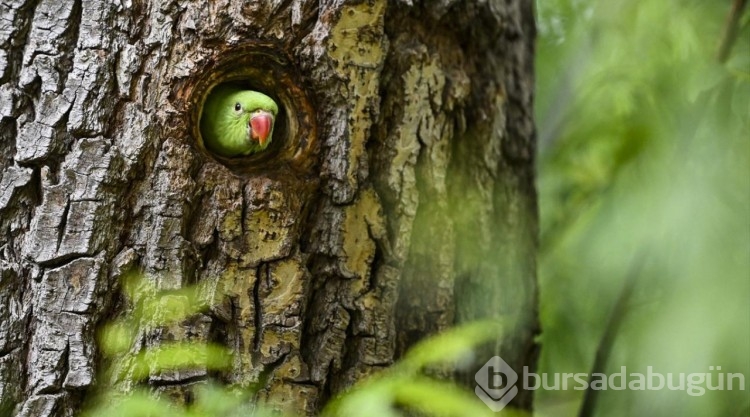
[[403, 388], [644, 159], [405, 385], [131, 359]]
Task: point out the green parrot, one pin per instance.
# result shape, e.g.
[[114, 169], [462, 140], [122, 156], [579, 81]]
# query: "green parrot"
[[237, 122]]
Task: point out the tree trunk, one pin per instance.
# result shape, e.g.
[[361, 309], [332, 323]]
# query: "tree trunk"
[[398, 200]]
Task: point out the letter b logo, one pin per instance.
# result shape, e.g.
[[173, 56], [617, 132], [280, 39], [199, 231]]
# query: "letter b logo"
[[497, 379], [496, 383]]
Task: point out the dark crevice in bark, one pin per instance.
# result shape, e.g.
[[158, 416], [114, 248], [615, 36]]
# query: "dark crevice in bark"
[[378, 260], [31, 92], [306, 26], [210, 251], [218, 334], [260, 272], [267, 371], [30, 326], [34, 187], [65, 139], [243, 212], [7, 141], [16, 45], [63, 224], [177, 383], [349, 359], [327, 391], [61, 261], [67, 49], [64, 360], [8, 350]]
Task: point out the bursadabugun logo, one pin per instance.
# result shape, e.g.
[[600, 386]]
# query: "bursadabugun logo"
[[496, 383]]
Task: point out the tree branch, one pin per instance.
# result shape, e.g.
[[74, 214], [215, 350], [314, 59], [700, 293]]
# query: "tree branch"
[[616, 318], [731, 30]]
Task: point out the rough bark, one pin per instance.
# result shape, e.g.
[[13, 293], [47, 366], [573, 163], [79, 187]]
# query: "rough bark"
[[398, 201]]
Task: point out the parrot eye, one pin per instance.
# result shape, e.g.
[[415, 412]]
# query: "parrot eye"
[[237, 107]]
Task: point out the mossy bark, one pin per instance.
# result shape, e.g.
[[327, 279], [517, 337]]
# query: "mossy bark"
[[400, 202]]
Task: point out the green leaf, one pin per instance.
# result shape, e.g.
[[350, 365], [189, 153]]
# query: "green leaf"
[[373, 398], [402, 385], [450, 346], [213, 400], [174, 356], [117, 337], [436, 398], [135, 404]]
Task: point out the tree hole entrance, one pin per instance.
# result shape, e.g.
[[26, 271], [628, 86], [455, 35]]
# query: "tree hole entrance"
[[266, 69]]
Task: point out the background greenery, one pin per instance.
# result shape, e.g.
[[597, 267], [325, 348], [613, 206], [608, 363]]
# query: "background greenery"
[[644, 177]]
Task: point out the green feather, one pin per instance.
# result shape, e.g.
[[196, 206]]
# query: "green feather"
[[226, 130]]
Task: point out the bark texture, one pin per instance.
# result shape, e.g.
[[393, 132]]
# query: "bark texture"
[[398, 201]]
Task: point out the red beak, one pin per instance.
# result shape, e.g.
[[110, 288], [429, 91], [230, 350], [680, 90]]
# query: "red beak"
[[261, 125]]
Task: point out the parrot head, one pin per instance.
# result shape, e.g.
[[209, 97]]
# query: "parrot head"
[[255, 112], [238, 122]]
